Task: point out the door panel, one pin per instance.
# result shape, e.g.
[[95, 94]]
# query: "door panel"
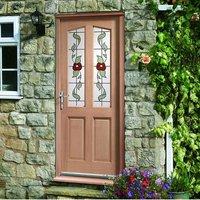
[[76, 138], [102, 140], [88, 110]]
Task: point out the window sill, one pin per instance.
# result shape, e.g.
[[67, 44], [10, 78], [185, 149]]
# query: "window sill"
[[11, 97]]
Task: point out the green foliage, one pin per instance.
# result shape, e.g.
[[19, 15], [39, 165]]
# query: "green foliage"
[[175, 72], [180, 182]]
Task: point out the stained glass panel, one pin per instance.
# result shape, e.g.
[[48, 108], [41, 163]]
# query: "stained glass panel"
[[101, 71], [76, 68]]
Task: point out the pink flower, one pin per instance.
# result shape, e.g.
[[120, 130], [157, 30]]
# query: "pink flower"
[[145, 59]]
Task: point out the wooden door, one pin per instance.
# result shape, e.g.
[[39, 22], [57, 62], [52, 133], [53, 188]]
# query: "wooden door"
[[90, 100]]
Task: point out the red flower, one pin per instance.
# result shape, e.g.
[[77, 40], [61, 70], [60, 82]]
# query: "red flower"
[[77, 66], [145, 182], [101, 66], [132, 179]]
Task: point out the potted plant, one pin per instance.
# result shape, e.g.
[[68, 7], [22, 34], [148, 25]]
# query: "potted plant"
[[180, 184], [135, 183]]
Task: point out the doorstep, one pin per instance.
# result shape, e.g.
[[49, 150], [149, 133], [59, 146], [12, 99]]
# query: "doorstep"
[[61, 192]]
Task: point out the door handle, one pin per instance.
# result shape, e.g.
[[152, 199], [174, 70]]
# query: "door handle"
[[61, 96]]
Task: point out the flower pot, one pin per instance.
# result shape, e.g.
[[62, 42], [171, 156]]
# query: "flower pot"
[[181, 195]]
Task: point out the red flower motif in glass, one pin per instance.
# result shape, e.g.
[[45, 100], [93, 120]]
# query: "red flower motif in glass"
[[101, 66], [77, 66]]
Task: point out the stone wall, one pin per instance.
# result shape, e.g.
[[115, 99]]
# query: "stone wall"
[[27, 126]]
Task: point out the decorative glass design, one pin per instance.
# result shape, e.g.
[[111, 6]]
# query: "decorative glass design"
[[101, 88], [76, 62]]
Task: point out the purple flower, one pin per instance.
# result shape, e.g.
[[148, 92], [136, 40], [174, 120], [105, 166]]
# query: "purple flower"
[[166, 186], [130, 194], [146, 173], [171, 195], [150, 195], [158, 181]]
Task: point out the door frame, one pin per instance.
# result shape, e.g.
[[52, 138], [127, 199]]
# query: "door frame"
[[120, 98]]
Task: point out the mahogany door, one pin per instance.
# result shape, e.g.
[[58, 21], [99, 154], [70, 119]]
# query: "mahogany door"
[[89, 97]]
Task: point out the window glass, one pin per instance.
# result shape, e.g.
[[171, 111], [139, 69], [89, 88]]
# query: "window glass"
[[76, 68], [7, 30], [102, 68], [9, 57], [9, 81]]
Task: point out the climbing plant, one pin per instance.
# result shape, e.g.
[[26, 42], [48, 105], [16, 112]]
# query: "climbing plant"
[[174, 70]]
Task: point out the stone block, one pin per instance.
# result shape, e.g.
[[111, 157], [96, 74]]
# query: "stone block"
[[150, 94], [25, 171], [30, 182], [6, 106], [36, 192], [146, 108], [47, 79], [132, 122], [7, 169], [29, 105], [146, 158], [24, 132], [44, 132], [135, 25], [44, 64], [2, 190], [131, 109], [13, 157], [132, 5], [51, 120], [16, 6], [132, 78], [135, 93], [128, 132], [27, 29], [32, 146], [34, 78], [16, 144], [8, 130], [3, 119], [2, 142], [131, 143], [109, 5], [44, 92], [34, 119], [145, 142], [31, 6], [151, 25], [46, 146], [45, 172], [17, 118], [27, 63], [51, 6], [152, 142], [67, 6], [86, 5], [3, 7], [129, 65], [28, 90], [14, 192], [48, 106], [46, 45], [24, 78], [37, 159], [130, 159], [29, 46]]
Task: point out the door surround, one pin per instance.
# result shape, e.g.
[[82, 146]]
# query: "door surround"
[[120, 78]]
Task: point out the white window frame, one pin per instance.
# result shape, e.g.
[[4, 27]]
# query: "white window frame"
[[10, 41]]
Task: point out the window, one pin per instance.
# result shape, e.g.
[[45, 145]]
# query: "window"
[[9, 57]]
